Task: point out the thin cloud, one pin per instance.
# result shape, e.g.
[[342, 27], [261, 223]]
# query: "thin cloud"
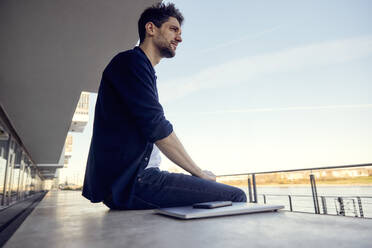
[[250, 68], [297, 108], [244, 38]]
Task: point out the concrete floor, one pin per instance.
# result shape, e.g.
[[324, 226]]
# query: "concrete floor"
[[66, 219]]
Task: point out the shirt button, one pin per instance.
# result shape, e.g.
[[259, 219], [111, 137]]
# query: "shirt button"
[[146, 158]]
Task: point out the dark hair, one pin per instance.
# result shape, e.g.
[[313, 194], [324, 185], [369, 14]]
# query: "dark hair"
[[157, 14]]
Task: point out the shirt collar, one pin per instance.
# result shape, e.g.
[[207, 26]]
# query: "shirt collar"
[[143, 54]]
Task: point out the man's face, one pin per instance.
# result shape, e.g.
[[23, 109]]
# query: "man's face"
[[167, 37]]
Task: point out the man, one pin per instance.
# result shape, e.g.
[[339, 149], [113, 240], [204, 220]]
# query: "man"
[[130, 128]]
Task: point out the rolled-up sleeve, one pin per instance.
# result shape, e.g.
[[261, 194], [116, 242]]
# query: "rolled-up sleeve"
[[133, 81]]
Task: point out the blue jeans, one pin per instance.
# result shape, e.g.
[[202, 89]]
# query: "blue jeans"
[[158, 189]]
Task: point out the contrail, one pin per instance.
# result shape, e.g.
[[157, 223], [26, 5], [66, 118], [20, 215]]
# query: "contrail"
[[290, 108], [246, 37]]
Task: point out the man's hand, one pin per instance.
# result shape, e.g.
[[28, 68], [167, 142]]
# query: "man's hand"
[[208, 175]]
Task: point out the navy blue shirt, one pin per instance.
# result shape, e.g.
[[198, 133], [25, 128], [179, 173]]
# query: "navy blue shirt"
[[128, 121]]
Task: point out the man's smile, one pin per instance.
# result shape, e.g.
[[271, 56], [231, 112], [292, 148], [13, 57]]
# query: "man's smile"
[[174, 45]]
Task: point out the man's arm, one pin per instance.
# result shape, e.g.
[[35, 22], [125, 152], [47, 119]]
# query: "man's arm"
[[174, 150]]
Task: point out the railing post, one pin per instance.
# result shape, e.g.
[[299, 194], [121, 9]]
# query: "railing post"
[[315, 194], [360, 207], [324, 205], [290, 203], [254, 188], [355, 210], [249, 189], [264, 198], [342, 208]]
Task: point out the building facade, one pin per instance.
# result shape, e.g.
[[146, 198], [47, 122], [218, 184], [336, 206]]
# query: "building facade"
[[19, 176]]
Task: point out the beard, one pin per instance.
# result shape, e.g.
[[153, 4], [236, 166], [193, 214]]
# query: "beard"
[[165, 48], [167, 52]]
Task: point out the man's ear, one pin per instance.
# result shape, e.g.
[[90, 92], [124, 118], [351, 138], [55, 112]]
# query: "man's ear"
[[150, 28]]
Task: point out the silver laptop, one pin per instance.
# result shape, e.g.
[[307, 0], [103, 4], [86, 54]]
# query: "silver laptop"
[[188, 212]]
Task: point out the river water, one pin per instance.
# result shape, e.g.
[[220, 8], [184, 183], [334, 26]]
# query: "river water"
[[335, 197]]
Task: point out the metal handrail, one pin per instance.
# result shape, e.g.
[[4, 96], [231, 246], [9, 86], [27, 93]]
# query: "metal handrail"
[[252, 190], [346, 196], [302, 169]]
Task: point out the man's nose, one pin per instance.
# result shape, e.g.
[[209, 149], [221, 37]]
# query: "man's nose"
[[178, 38]]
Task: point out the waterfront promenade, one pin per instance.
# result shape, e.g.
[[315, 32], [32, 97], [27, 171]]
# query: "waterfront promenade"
[[66, 219]]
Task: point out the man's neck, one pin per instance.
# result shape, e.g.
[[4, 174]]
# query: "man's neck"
[[151, 52]]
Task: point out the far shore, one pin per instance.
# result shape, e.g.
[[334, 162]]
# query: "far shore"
[[331, 182], [306, 185], [286, 185]]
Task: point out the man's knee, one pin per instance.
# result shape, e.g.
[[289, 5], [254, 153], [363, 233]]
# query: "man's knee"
[[239, 196]]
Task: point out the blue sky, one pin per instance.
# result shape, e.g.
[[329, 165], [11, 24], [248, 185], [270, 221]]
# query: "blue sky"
[[268, 85]]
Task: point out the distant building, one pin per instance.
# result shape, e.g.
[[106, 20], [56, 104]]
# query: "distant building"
[[78, 124], [358, 172], [68, 149], [81, 115]]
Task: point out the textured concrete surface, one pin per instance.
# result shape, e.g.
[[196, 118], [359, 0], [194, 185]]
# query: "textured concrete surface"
[[66, 219]]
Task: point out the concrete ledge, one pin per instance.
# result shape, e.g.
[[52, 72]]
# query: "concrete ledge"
[[66, 219], [12, 216]]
